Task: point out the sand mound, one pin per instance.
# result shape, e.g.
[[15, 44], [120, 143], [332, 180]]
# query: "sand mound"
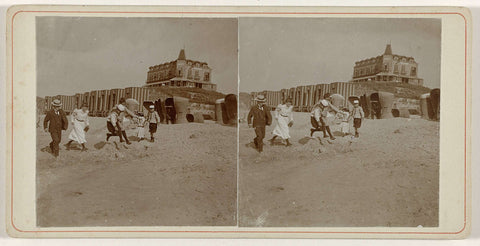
[[386, 177]]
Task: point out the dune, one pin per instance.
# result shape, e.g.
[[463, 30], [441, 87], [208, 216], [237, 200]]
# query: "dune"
[[186, 177], [387, 177]]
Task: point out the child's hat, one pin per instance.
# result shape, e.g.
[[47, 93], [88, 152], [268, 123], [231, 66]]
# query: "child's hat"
[[152, 106], [355, 102]]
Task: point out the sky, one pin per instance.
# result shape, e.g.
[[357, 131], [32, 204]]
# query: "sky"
[[278, 53], [80, 54]]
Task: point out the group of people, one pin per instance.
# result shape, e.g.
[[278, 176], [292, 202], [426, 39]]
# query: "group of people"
[[116, 122], [56, 121], [322, 117]]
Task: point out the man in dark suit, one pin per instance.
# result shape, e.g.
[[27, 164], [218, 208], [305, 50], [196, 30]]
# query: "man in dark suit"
[[261, 118], [58, 122]]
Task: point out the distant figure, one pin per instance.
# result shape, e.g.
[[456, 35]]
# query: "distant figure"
[[171, 114], [345, 125], [55, 121], [80, 126], [375, 110], [153, 119], [141, 126], [284, 118], [261, 118], [358, 115]]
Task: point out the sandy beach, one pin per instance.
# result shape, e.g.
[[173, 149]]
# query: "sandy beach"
[[186, 177], [387, 177]]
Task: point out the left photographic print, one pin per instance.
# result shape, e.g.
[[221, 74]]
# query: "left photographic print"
[[136, 121]]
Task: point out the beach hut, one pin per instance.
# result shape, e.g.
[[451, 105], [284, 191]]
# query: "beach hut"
[[425, 106], [230, 102], [435, 104], [218, 110], [385, 102], [181, 106]]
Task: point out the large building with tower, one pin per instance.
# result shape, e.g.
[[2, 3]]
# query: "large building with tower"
[[387, 67], [181, 72]]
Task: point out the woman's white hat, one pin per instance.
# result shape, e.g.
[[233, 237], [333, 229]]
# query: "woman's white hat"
[[152, 106], [356, 102], [121, 107], [324, 102]]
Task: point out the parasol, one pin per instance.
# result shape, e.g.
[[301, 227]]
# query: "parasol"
[[132, 104]]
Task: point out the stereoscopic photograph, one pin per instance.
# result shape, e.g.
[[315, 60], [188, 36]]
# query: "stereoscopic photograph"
[[238, 122], [339, 122], [136, 121]]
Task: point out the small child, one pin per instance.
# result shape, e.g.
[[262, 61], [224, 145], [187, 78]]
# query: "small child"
[[140, 127], [153, 119], [345, 125], [358, 115]]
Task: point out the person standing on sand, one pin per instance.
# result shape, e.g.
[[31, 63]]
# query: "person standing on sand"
[[121, 121], [153, 119], [327, 116], [140, 126], [284, 118], [55, 121], [358, 115], [171, 114], [261, 116], [80, 126], [345, 125], [316, 120], [115, 123]]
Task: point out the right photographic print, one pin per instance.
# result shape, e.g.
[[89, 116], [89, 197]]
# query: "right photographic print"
[[339, 122]]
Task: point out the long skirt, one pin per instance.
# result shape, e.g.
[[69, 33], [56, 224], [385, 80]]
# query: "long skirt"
[[78, 132], [281, 129]]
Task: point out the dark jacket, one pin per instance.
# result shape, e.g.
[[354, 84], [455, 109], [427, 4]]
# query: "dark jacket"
[[260, 117], [57, 122]]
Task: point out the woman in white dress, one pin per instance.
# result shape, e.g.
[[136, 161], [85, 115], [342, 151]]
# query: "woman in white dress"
[[80, 126], [284, 118]]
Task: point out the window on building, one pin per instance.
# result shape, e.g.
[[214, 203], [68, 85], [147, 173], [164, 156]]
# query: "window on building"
[[190, 73], [197, 75], [414, 71], [206, 76], [385, 67], [395, 69], [180, 73], [403, 69]]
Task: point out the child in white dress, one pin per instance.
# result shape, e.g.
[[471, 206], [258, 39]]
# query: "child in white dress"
[[140, 127]]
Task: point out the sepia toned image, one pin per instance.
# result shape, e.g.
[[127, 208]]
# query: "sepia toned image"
[[136, 121], [339, 122], [238, 122]]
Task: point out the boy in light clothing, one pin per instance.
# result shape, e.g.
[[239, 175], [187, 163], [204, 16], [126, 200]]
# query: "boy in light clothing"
[[358, 115], [153, 119]]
